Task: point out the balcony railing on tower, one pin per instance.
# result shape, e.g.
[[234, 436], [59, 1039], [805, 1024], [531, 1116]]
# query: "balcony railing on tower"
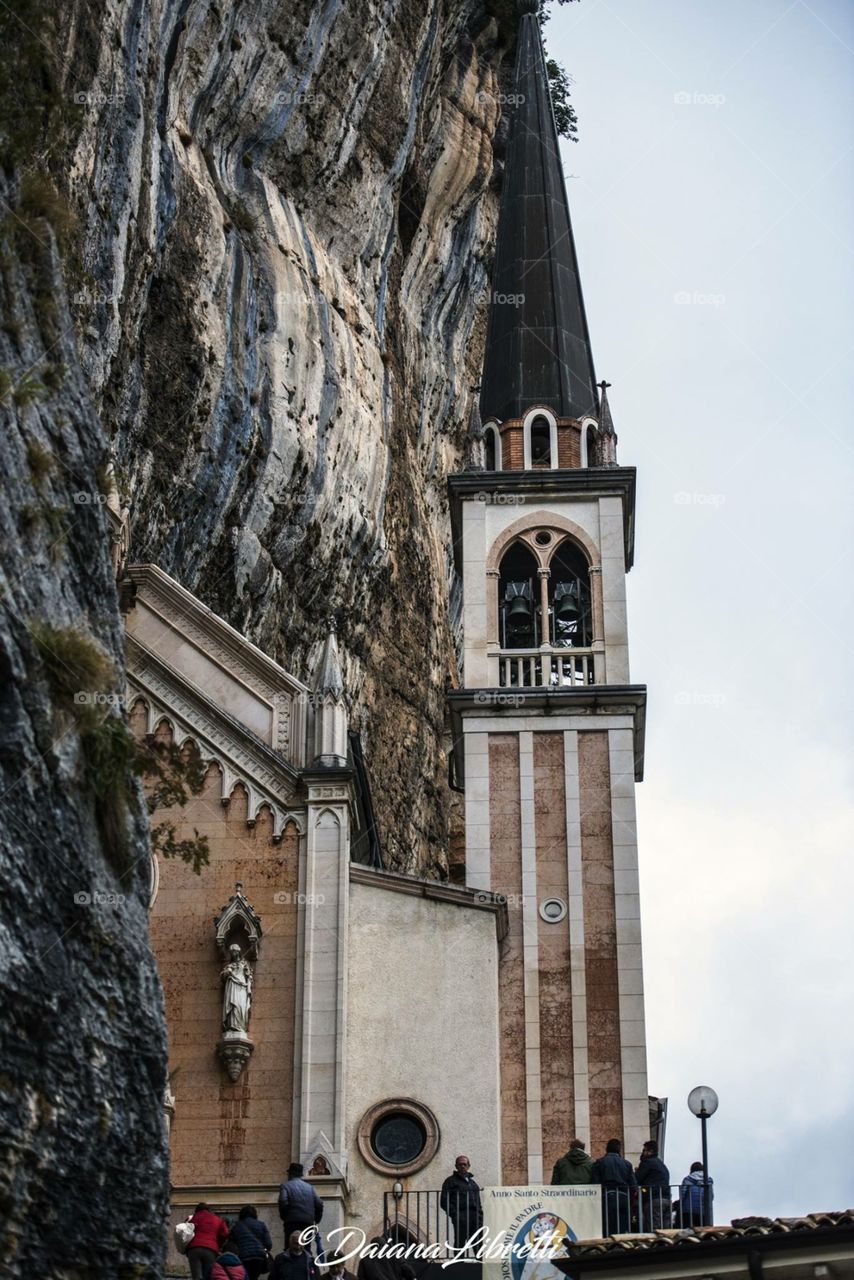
[[546, 668]]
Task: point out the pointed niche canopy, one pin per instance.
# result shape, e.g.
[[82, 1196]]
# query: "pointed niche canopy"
[[538, 347]]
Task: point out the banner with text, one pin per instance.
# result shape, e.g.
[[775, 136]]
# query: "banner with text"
[[532, 1223]]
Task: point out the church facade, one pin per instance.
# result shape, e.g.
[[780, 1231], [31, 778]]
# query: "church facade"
[[369, 1024]]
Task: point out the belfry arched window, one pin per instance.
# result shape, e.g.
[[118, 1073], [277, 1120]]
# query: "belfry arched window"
[[492, 447], [519, 599], [541, 443], [590, 440], [570, 613]]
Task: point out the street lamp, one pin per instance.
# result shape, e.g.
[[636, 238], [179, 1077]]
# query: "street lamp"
[[703, 1102]]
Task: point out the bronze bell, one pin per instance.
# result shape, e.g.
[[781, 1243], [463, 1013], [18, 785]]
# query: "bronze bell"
[[520, 614], [566, 605]]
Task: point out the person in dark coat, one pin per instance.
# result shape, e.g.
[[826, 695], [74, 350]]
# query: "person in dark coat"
[[653, 1178], [573, 1168], [208, 1239], [692, 1207], [251, 1241], [460, 1200], [617, 1180], [299, 1204], [295, 1262]]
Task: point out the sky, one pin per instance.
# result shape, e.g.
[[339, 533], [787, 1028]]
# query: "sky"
[[712, 197]]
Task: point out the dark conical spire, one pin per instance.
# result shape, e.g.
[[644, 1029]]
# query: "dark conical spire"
[[538, 348], [607, 434]]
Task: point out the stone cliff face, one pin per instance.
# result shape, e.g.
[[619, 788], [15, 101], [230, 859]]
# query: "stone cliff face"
[[289, 213], [83, 1166], [269, 306]]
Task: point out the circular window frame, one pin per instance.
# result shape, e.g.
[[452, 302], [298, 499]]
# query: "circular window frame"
[[422, 1116], [553, 919]]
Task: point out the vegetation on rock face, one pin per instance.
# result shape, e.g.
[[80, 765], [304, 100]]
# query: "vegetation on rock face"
[[81, 679], [560, 81]]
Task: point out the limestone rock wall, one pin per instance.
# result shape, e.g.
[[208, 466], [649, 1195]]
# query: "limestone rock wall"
[[289, 214], [270, 305], [83, 1165]]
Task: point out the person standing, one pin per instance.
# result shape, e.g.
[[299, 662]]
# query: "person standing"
[[295, 1262], [653, 1178], [299, 1204], [617, 1180], [460, 1200], [692, 1199], [210, 1234], [573, 1168], [251, 1241]]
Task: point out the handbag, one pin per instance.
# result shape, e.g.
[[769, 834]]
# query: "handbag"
[[183, 1235]]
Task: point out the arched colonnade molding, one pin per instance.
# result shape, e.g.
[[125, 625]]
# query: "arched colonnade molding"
[[524, 530], [260, 795]]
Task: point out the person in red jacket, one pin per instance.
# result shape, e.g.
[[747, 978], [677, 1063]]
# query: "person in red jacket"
[[208, 1239]]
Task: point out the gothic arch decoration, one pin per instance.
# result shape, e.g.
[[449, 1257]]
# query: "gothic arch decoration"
[[260, 791], [589, 436], [530, 433], [525, 529], [544, 533], [519, 598], [492, 447], [238, 917], [327, 818]]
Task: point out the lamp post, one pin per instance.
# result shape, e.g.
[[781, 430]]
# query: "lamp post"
[[703, 1102]]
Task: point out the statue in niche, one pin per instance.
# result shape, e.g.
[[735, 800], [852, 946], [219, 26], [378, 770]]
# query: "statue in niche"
[[237, 993]]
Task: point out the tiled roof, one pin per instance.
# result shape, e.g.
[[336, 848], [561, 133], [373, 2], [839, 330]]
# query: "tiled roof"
[[739, 1228]]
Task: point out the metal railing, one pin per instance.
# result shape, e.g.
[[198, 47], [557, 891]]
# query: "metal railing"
[[536, 668], [629, 1210], [418, 1217]]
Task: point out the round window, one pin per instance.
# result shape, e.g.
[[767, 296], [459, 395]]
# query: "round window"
[[543, 538], [553, 910], [398, 1138]]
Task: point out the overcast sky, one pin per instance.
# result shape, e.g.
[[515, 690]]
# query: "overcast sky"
[[713, 206]]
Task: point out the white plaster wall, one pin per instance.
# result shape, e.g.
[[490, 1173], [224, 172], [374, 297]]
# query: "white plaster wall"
[[422, 1023]]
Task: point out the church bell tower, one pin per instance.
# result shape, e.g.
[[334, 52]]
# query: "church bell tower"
[[548, 727]]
